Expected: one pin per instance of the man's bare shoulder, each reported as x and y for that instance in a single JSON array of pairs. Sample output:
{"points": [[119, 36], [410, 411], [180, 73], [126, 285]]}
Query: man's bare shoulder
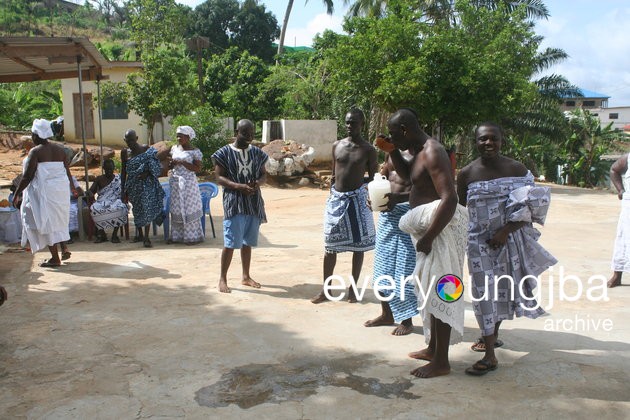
{"points": [[513, 167]]}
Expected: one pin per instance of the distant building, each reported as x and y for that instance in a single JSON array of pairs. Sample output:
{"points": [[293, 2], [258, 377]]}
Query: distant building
{"points": [[116, 119], [589, 100]]}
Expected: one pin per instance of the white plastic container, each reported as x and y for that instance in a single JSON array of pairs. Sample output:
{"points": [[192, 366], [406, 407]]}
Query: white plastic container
{"points": [[377, 190]]}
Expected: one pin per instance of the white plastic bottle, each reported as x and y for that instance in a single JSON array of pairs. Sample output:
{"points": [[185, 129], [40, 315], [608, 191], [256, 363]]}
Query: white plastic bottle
{"points": [[377, 190]]}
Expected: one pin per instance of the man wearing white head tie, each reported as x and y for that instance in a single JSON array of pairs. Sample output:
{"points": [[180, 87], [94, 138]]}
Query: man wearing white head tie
{"points": [[46, 184], [186, 210]]}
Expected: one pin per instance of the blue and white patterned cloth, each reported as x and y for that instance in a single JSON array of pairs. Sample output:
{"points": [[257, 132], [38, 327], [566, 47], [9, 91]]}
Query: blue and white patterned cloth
{"points": [[348, 222], [186, 210], [146, 195], [491, 205], [109, 211], [395, 256]]}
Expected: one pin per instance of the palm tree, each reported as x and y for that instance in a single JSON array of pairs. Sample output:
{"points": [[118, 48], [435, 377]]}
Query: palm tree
{"points": [[330, 8]]}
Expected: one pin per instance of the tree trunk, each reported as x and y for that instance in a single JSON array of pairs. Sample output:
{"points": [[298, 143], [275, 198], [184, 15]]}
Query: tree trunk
{"points": [[283, 32]]}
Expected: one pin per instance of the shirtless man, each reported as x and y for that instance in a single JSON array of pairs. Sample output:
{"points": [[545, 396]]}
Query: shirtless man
{"points": [[439, 227], [348, 222], [391, 240], [45, 207]]}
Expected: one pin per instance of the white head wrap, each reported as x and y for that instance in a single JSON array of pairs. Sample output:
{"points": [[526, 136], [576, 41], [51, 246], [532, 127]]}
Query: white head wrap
{"points": [[41, 127], [187, 130]]}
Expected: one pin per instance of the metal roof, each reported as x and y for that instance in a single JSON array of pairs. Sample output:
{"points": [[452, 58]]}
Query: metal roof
{"points": [[28, 59], [591, 94]]}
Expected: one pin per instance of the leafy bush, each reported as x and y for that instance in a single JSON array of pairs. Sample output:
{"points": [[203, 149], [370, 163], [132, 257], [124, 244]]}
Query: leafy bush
{"points": [[210, 131]]}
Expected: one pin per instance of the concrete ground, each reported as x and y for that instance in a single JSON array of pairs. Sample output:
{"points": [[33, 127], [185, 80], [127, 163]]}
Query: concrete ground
{"points": [[124, 332]]}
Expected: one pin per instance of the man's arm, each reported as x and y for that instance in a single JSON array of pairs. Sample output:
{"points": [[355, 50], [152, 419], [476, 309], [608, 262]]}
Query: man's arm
{"points": [[462, 186], [402, 166], [438, 165], [372, 163], [619, 168], [27, 175]]}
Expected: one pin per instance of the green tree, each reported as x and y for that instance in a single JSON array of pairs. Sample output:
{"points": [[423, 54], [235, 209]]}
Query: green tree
{"points": [[212, 19], [156, 22], [254, 29], [166, 86], [583, 149], [21, 103], [226, 23], [233, 81]]}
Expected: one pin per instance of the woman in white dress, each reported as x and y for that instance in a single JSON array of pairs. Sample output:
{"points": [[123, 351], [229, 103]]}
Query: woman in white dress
{"points": [[185, 207]]}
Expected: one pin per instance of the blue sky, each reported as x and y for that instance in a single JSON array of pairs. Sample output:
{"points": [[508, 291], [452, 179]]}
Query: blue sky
{"points": [[595, 34]]}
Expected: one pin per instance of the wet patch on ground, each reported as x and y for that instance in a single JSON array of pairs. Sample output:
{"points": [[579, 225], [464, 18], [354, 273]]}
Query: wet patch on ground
{"points": [[296, 380]]}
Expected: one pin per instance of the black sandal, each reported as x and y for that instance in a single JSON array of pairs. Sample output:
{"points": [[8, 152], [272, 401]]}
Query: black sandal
{"points": [[485, 366]]}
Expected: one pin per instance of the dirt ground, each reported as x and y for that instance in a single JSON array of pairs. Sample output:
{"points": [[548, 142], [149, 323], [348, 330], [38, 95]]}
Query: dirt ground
{"points": [[125, 332]]}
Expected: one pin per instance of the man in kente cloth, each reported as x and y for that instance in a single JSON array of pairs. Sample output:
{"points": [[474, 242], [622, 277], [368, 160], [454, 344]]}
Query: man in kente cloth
{"points": [[348, 222], [401, 303], [504, 256], [140, 171]]}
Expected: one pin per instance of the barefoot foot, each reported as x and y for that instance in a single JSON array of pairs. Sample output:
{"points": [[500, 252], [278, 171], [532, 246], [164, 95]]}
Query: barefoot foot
{"points": [[351, 296], [251, 283], [431, 370], [614, 282], [424, 354], [403, 329], [319, 298], [223, 287], [377, 322]]}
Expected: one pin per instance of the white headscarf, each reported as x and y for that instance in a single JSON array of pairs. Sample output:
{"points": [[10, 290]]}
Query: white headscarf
{"points": [[186, 130], [42, 128]]}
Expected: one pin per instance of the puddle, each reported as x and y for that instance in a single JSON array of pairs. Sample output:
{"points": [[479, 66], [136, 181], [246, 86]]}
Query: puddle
{"points": [[251, 385]]}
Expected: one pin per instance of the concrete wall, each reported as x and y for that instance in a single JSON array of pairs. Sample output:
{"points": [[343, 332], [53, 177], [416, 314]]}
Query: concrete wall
{"points": [[319, 134], [623, 116]]}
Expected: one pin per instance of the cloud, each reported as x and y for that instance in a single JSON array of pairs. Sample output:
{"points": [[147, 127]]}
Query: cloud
{"points": [[303, 36], [599, 51]]}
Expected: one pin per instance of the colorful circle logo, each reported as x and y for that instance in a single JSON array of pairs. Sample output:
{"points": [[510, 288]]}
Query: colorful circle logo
{"points": [[449, 288]]}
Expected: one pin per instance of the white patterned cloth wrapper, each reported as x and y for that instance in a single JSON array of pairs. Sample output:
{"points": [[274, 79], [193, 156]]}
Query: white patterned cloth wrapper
{"points": [[446, 257], [491, 205], [109, 211], [186, 210], [348, 222]]}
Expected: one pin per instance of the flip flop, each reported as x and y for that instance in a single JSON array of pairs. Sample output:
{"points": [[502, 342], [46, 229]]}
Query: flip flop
{"points": [[480, 346], [486, 367], [66, 255], [115, 240], [48, 264]]}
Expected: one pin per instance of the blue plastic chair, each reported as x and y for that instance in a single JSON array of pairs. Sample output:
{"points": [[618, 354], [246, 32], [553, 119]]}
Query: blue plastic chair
{"points": [[165, 211], [208, 191]]}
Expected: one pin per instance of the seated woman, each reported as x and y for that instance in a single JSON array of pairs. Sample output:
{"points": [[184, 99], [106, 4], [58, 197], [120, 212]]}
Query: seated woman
{"points": [[108, 211]]}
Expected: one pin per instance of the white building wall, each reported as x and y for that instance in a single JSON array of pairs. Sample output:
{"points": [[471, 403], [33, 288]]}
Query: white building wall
{"points": [[623, 116], [113, 130]]}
